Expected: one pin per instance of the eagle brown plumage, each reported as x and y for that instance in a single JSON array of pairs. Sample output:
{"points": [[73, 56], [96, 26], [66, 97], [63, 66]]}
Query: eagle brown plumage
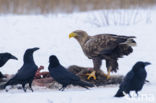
{"points": [[109, 47]]}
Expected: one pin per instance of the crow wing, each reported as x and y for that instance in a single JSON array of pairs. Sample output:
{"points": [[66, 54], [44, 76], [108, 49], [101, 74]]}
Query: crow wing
{"points": [[25, 72], [60, 73], [127, 81]]}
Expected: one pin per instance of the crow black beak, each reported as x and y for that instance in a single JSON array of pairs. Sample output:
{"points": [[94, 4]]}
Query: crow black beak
{"points": [[147, 63], [13, 57], [34, 49]]}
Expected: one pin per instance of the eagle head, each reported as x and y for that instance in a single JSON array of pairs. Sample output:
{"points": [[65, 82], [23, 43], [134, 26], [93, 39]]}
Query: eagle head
{"points": [[79, 35]]}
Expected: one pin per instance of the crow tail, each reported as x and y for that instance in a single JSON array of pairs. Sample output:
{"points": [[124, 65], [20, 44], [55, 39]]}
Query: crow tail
{"points": [[84, 84], [119, 93], [10, 82], [3, 86]]}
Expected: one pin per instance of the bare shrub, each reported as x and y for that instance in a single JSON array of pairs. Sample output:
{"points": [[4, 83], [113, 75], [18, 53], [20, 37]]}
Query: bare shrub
{"points": [[119, 17]]}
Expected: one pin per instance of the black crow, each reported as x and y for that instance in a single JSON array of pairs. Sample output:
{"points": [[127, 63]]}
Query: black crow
{"points": [[63, 76], [134, 80], [4, 57], [27, 72]]}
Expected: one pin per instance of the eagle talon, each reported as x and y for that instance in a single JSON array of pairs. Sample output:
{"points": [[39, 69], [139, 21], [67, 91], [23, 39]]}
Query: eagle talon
{"points": [[92, 74], [108, 74], [108, 77]]}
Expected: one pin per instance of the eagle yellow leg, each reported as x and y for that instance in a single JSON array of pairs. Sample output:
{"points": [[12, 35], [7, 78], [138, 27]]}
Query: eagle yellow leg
{"points": [[108, 74], [92, 74]]}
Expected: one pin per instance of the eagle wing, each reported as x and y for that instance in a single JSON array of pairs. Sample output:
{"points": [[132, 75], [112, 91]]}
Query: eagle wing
{"points": [[102, 44]]}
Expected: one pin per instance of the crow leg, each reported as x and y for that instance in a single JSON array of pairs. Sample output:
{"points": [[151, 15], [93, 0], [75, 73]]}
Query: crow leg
{"points": [[137, 93], [124, 93], [23, 86], [62, 88], [129, 95], [30, 86]]}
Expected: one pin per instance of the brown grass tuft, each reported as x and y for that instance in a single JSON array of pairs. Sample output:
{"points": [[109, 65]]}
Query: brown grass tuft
{"points": [[53, 6]]}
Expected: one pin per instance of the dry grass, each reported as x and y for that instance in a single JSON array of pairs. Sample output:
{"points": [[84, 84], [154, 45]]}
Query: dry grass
{"points": [[52, 6]]}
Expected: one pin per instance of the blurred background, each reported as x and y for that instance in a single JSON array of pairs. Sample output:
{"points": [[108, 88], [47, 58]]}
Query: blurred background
{"points": [[44, 23], [69, 6]]}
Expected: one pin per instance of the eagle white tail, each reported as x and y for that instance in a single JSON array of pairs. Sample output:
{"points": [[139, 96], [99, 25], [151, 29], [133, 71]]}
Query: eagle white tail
{"points": [[129, 42]]}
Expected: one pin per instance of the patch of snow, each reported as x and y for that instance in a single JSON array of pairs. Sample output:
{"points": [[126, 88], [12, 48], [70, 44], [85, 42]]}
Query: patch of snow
{"points": [[50, 33]]}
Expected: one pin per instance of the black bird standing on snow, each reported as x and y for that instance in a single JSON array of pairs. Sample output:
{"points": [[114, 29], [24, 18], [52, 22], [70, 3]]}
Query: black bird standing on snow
{"points": [[63, 76], [4, 57], [134, 80], [27, 72]]}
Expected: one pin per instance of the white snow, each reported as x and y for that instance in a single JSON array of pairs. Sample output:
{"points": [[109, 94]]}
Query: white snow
{"points": [[50, 33]]}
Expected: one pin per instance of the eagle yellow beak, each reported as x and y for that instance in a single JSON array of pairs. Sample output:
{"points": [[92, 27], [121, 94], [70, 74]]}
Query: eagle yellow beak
{"points": [[72, 35]]}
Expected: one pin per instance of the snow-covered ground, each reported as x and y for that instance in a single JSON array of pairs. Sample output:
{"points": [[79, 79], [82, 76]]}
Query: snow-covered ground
{"points": [[50, 33]]}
